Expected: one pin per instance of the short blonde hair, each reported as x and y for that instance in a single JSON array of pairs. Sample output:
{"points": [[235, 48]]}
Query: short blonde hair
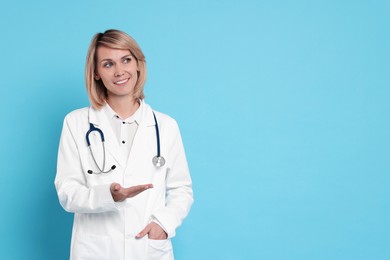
{"points": [[114, 39]]}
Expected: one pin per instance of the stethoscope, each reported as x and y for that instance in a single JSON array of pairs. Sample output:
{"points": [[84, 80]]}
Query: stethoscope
{"points": [[157, 160]]}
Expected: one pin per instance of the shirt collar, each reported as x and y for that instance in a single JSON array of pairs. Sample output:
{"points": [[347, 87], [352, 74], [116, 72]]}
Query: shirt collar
{"points": [[136, 117]]}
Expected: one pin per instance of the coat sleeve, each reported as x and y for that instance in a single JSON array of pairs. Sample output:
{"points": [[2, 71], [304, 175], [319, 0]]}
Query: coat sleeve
{"points": [[70, 182], [179, 194]]}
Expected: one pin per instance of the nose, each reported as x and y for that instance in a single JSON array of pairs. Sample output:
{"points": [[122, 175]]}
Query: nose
{"points": [[118, 71]]}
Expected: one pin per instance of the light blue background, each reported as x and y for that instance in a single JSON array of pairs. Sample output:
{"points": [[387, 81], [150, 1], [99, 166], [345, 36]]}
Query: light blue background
{"points": [[284, 110]]}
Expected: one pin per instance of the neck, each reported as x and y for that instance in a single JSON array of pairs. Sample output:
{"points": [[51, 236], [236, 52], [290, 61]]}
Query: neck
{"points": [[123, 107]]}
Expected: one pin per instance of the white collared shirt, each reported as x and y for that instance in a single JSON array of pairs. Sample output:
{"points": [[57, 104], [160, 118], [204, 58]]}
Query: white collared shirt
{"points": [[124, 129]]}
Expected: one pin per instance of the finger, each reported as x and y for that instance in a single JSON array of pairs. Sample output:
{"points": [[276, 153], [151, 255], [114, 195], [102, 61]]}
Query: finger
{"points": [[143, 232], [115, 192], [156, 232], [135, 190], [145, 186], [117, 187]]}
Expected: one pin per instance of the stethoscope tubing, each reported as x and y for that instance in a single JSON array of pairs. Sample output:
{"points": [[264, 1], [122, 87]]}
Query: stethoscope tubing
{"points": [[157, 160], [157, 136], [91, 129]]}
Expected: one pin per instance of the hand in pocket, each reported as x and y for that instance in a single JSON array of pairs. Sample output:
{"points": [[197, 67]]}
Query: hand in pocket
{"points": [[154, 232]]}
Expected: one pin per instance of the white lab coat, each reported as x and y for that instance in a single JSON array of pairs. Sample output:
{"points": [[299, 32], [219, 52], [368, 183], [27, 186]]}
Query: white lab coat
{"points": [[102, 228]]}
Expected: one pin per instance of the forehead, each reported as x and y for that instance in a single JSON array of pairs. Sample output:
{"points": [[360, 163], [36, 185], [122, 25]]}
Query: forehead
{"points": [[105, 53]]}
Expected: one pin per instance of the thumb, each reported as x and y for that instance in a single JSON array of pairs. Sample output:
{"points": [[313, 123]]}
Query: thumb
{"points": [[116, 187], [143, 232]]}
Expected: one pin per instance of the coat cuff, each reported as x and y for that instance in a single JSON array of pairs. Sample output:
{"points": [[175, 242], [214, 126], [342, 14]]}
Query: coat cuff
{"points": [[103, 194], [163, 220]]}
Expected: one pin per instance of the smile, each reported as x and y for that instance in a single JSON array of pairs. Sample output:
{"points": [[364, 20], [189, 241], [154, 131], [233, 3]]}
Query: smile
{"points": [[121, 82]]}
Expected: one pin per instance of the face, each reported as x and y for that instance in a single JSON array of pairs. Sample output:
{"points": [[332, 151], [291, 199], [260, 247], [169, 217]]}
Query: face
{"points": [[117, 69]]}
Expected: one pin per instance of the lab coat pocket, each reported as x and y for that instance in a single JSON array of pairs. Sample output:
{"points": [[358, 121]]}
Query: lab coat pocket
{"points": [[91, 247], [160, 249]]}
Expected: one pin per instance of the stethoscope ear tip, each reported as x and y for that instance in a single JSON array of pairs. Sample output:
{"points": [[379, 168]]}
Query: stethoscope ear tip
{"points": [[112, 168]]}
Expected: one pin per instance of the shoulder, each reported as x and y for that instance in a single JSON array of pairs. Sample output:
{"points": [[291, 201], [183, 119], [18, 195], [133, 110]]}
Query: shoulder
{"points": [[162, 119], [76, 116]]}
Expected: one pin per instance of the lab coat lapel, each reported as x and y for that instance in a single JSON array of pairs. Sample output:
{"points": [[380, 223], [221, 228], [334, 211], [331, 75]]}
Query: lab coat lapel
{"points": [[144, 139], [141, 167], [100, 120]]}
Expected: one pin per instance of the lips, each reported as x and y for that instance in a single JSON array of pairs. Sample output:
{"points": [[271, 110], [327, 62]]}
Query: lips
{"points": [[121, 82]]}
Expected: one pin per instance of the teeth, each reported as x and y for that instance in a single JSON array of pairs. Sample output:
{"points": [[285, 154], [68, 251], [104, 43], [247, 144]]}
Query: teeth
{"points": [[122, 81]]}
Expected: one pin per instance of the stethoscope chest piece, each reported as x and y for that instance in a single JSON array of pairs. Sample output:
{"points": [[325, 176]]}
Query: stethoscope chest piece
{"points": [[158, 161]]}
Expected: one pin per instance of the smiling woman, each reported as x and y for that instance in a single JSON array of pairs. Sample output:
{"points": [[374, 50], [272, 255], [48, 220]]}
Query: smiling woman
{"points": [[118, 71], [116, 43], [131, 210]]}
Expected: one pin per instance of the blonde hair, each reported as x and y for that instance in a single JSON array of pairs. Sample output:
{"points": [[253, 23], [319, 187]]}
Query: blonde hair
{"points": [[114, 39]]}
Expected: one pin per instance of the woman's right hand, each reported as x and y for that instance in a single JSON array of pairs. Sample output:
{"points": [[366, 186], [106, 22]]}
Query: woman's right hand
{"points": [[119, 193]]}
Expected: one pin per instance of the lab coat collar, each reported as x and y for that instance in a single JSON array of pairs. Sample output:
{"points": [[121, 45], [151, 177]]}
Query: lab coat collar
{"points": [[147, 118], [136, 117], [97, 116]]}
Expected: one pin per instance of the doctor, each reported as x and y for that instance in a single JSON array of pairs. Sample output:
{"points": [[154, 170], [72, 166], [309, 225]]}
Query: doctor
{"points": [[121, 166]]}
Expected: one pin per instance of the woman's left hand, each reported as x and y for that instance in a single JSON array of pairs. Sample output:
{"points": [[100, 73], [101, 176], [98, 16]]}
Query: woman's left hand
{"points": [[154, 231]]}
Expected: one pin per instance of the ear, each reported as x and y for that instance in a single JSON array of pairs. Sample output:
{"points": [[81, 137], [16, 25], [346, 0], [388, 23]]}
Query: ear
{"points": [[97, 77]]}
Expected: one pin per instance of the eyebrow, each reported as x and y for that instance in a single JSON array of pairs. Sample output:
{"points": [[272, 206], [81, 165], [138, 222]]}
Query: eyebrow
{"points": [[108, 59]]}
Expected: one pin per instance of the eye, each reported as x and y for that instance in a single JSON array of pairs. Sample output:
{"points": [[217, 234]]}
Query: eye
{"points": [[107, 64], [127, 60]]}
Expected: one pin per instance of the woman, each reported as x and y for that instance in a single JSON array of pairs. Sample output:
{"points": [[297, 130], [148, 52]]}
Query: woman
{"points": [[126, 205]]}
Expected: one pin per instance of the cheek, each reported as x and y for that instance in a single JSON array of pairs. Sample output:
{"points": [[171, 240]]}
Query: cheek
{"points": [[134, 73], [103, 77]]}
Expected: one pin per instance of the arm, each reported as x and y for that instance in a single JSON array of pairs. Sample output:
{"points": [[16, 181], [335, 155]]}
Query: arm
{"points": [[70, 181], [71, 184]]}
